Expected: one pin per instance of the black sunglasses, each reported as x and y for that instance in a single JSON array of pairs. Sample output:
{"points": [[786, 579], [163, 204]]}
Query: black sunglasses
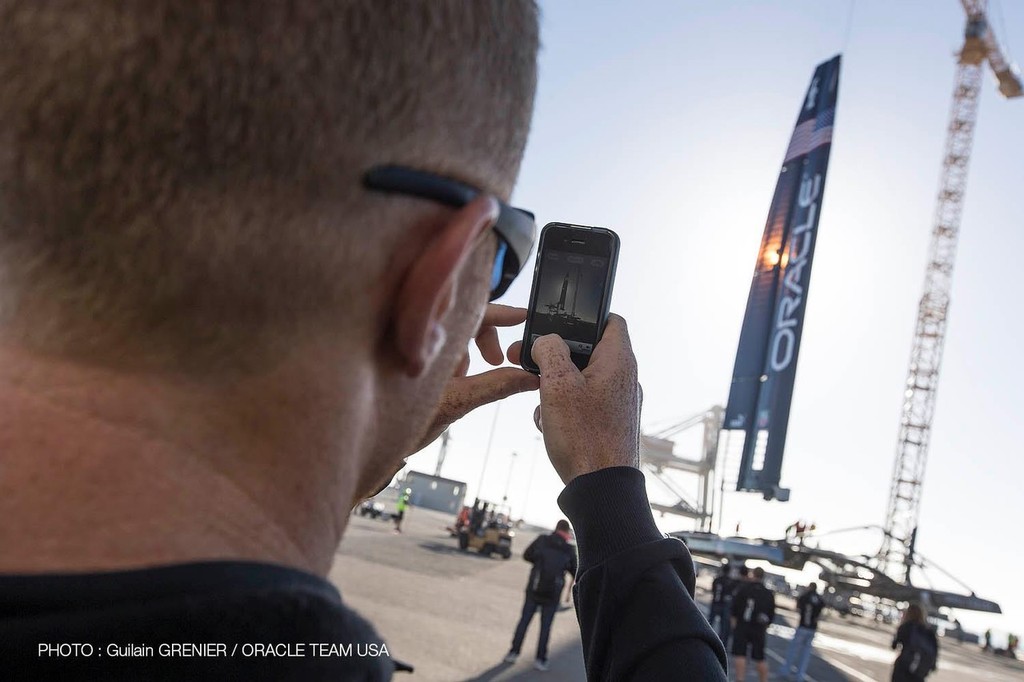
{"points": [[516, 228]]}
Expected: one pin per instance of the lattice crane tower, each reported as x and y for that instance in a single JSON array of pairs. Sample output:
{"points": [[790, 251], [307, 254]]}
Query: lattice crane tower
{"points": [[980, 46]]}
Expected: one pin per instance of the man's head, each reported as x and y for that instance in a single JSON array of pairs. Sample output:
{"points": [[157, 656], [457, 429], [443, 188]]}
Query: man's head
{"points": [[180, 185], [562, 526], [758, 576], [813, 587], [914, 614], [744, 572]]}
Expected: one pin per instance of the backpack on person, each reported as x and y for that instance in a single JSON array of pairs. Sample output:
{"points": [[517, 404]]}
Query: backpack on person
{"points": [[919, 651], [547, 577]]}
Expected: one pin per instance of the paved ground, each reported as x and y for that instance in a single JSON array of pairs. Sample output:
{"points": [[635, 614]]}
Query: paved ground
{"points": [[451, 615]]}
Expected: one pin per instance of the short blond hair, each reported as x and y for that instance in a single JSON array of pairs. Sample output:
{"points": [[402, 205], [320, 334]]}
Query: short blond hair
{"points": [[167, 168]]}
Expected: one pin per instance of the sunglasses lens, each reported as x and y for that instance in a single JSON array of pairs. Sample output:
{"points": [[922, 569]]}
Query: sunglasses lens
{"points": [[499, 265]]}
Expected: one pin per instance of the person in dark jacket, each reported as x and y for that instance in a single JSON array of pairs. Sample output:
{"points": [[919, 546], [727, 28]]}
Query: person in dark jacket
{"points": [[753, 610], [798, 655], [244, 249], [721, 603], [918, 645], [553, 559], [742, 578]]}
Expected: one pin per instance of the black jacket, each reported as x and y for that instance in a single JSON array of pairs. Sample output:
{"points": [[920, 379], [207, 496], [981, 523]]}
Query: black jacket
{"points": [[223, 608], [634, 589], [634, 601], [721, 590], [809, 607], [550, 554], [753, 605], [902, 640]]}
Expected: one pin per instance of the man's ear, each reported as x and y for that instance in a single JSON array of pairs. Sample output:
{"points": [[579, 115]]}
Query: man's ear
{"points": [[428, 291]]}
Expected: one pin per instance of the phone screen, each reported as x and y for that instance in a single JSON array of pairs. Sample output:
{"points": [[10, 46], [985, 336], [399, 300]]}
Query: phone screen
{"points": [[571, 289]]}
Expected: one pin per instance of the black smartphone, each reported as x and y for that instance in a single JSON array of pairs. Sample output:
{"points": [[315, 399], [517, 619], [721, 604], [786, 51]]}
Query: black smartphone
{"points": [[572, 289]]}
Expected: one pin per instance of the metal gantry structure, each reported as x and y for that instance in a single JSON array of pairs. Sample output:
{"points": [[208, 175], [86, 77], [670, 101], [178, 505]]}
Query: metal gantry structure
{"points": [[658, 458], [897, 553]]}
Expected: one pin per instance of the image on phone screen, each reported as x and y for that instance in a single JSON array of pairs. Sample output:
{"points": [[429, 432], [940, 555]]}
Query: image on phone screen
{"points": [[569, 298], [571, 289]]}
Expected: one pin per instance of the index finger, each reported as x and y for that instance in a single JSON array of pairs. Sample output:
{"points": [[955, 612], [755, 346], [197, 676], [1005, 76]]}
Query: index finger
{"points": [[497, 315], [614, 348]]}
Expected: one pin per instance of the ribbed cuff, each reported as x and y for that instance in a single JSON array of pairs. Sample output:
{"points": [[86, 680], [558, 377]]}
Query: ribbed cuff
{"points": [[609, 512]]}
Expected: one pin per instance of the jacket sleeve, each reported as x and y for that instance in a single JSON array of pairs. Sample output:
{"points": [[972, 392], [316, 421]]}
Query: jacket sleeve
{"points": [[531, 550], [634, 588], [737, 602], [900, 636]]}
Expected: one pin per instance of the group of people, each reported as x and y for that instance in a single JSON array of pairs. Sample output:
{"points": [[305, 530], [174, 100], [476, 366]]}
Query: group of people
{"points": [[742, 608], [1012, 642]]}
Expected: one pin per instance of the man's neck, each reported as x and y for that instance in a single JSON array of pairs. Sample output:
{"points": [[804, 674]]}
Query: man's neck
{"points": [[103, 470]]}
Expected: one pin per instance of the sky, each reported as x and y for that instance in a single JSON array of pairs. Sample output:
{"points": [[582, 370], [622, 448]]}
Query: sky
{"points": [[667, 121]]}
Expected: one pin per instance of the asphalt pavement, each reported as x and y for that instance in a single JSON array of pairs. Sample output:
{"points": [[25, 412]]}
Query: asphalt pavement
{"points": [[451, 615]]}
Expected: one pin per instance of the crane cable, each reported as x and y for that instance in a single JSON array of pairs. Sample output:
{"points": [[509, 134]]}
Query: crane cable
{"points": [[1006, 35], [849, 25]]}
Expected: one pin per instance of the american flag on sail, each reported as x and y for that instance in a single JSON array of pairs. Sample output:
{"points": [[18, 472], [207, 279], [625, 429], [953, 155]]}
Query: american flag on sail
{"points": [[811, 134]]}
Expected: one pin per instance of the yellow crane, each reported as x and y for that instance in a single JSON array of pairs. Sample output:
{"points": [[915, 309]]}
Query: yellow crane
{"points": [[980, 47]]}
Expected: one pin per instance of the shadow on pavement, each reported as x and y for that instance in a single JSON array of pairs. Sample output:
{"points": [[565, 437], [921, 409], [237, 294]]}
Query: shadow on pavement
{"points": [[442, 548], [491, 673], [565, 665]]}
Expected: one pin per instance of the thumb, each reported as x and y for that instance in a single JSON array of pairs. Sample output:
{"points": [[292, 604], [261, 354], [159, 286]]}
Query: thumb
{"points": [[552, 357]]}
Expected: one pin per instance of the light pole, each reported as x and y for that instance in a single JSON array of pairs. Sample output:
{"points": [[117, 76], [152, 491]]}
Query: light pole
{"points": [[487, 452], [508, 481], [533, 467], [445, 436]]}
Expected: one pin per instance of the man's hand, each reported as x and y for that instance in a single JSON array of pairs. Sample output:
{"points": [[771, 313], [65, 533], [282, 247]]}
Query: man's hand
{"points": [[590, 419], [466, 393]]}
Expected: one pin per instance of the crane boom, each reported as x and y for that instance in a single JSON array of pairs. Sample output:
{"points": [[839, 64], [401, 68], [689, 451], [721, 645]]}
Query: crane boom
{"points": [[929, 335], [897, 554], [980, 45]]}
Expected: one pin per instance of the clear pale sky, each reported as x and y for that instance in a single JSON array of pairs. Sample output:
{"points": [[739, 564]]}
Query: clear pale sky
{"points": [[667, 121]]}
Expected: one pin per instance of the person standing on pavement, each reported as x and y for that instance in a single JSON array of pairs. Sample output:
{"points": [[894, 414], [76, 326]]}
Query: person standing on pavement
{"points": [[553, 558], [721, 602], [798, 655], [400, 507], [753, 610], [919, 647]]}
